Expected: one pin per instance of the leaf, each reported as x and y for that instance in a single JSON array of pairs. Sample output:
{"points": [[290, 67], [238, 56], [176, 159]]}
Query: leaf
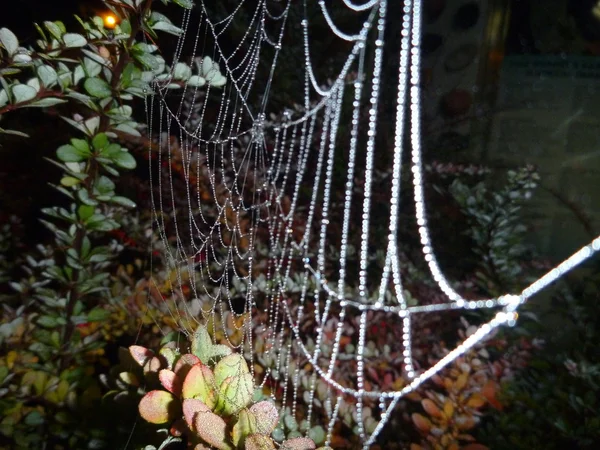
{"points": [[47, 102], [128, 129], [54, 29], [46, 321], [299, 443], [9, 41], [98, 315], [170, 381], [191, 407], [182, 71], [140, 354], [196, 81], [187, 4], [212, 429], [68, 153], [23, 93], [147, 60], [233, 365], [431, 408], [124, 160], [266, 416], [48, 75], [199, 383], [97, 87], [13, 132], [91, 125], [3, 97], [74, 40], [100, 141], [422, 423], [167, 28], [159, 407], [235, 393], [69, 181]]}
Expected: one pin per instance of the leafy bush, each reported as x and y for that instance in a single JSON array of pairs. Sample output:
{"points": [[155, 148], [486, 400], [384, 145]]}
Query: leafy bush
{"points": [[51, 349]]}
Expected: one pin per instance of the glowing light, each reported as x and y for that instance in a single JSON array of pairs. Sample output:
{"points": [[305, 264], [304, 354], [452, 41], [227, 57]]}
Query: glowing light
{"points": [[110, 21]]}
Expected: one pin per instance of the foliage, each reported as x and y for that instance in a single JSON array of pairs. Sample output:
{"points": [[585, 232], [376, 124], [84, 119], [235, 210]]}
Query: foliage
{"points": [[554, 402], [204, 397], [51, 348]]}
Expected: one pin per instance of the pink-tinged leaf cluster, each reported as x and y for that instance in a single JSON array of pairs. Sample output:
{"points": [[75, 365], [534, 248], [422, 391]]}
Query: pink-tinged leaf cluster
{"points": [[210, 406]]}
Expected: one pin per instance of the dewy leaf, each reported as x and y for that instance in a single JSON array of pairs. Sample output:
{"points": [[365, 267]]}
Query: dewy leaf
{"points": [[235, 393], [212, 429], [299, 443], [159, 407], [74, 40], [182, 71], [9, 41], [97, 87], [23, 93], [196, 81], [199, 383]]}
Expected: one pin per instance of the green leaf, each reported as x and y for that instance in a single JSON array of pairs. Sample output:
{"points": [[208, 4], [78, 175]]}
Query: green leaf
{"points": [[167, 28], [98, 315], [91, 125], [48, 75], [3, 97], [124, 160], [34, 419], [53, 29], [69, 181], [147, 60], [104, 185], [100, 141], [9, 41], [196, 81], [68, 153], [74, 40], [97, 87], [13, 132], [84, 196], [48, 101], [23, 93], [125, 26], [123, 201], [182, 71], [46, 321], [127, 129], [81, 145], [187, 4], [85, 212]]}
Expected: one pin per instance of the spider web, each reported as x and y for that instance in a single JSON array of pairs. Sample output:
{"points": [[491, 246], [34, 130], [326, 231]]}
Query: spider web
{"points": [[271, 228]]}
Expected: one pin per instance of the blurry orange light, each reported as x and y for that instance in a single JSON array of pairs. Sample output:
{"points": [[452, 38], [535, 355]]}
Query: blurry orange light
{"points": [[110, 21]]}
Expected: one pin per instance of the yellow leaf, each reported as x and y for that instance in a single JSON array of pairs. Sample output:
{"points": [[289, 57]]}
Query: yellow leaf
{"points": [[11, 357], [448, 408], [461, 381], [476, 401]]}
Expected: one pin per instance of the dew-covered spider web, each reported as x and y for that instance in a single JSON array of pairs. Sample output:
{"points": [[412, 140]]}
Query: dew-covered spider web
{"points": [[275, 223]]}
